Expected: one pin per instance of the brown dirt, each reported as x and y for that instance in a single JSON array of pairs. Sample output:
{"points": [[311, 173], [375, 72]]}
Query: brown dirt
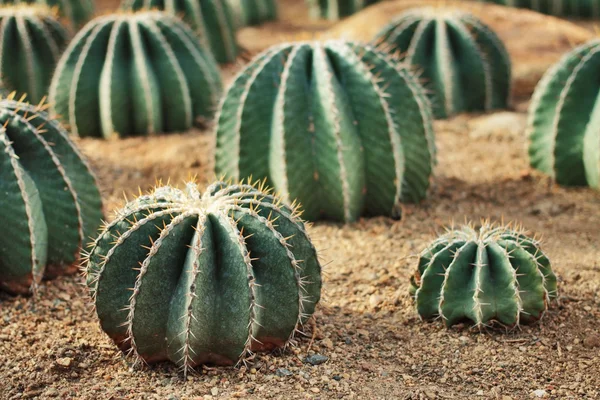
{"points": [[52, 347]]}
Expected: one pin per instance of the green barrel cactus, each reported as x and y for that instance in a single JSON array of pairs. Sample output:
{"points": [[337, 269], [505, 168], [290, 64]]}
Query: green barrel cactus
{"points": [[203, 278], [338, 126], [486, 275], [76, 11], [564, 141], [587, 9], [31, 42], [464, 63], [253, 12], [50, 201], [211, 19], [333, 10], [134, 74]]}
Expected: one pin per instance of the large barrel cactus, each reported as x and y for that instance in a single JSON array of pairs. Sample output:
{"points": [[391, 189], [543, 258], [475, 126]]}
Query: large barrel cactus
{"points": [[338, 126], [253, 12], [464, 63], [211, 19], [31, 42], [336, 9], [564, 117], [565, 8], [134, 74], [76, 11], [203, 278], [50, 201], [485, 275]]}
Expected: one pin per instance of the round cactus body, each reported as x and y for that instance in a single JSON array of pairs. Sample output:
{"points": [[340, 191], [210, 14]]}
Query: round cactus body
{"points": [[31, 42], [564, 8], [50, 202], [333, 10], [493, 274], [203, 278], [464, 63], [340, 127], [134, 74], [253, 12], [563, 119], [211, 19], [76, 11]]}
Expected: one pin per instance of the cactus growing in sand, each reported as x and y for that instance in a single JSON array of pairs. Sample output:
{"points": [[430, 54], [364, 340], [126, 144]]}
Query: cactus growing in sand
{"points": [[253, 12], [338, 126], [50, 201], [333, 10], [485, 275], [134, 74], [76, 11], [203, 278], [31, 42], [211, 19], [563, 8], [464, 63], [564, 141]]}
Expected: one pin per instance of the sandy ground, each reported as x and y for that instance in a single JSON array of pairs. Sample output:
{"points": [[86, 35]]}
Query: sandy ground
{"points": [[52, 347]]}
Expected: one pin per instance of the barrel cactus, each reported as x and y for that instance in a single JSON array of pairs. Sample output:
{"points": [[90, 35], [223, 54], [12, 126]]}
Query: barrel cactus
{"points": [[336, 9], [465, 64], [134, 74], [253, 12], [564, 8], [31, 41], [203, 278], [78, 12], [211, 19], [50, 201], [338, 126], [563, 117], [487, 275]]}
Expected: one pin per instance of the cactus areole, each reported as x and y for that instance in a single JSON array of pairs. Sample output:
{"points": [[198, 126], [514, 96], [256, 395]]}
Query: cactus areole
{"points": [[206, 278], [486, 275], [340, 127]]}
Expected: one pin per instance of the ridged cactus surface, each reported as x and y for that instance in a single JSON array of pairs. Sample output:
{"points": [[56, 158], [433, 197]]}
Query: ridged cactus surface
{"points": [[50, 201], [135, 74], [203, 278], [253, 12], [76, 11], [333, 10], [563, 119], [338, 126], [31, 42], [485, 275], [212, 20], [566, 8], [464, 63]]}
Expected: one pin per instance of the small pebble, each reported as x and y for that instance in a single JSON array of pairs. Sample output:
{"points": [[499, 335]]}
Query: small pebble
{"points": [[316, 359], [281, 372], [64, 362]]}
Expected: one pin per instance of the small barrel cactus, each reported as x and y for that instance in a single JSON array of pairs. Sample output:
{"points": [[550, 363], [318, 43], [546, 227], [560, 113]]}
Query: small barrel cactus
{"points": [[31, 42], [211, 19], [465, 64], [50, 201], [134, 74], [253, 12], [563, 119], [333, 10], [338, 126], [493, 274], [564, 8], [205, 278], [76, 11]]}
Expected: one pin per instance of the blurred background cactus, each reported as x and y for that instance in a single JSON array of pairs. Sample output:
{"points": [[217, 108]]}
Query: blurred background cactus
{"points": [[563, 119], [463, 62], [50, 201], [253, 12], [588, 9], [336, 9], [206, 278], [338, 126], [77, 12], [31, 42], [211, 19], [135, 74]]}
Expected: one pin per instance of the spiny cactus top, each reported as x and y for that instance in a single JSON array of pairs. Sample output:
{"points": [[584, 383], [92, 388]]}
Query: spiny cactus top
{"points": [[134, 74], [490, 274], [464, 63], [211, 19], [31, 42], [76, 11], [566, 8], [336, 9], [338, 126], [203, 278], [564, 117], [253, 12], [50, 202]]}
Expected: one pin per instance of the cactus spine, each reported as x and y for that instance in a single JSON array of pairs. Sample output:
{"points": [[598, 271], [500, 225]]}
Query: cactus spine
{"points": [[338, 126], [50, 199], [563, 116], [465, 64], [334, 10], [203, 278], [485, 275], [565, 8], [211, 19], [76, 11], [134, 74], [253, 12], [31, 41]]}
